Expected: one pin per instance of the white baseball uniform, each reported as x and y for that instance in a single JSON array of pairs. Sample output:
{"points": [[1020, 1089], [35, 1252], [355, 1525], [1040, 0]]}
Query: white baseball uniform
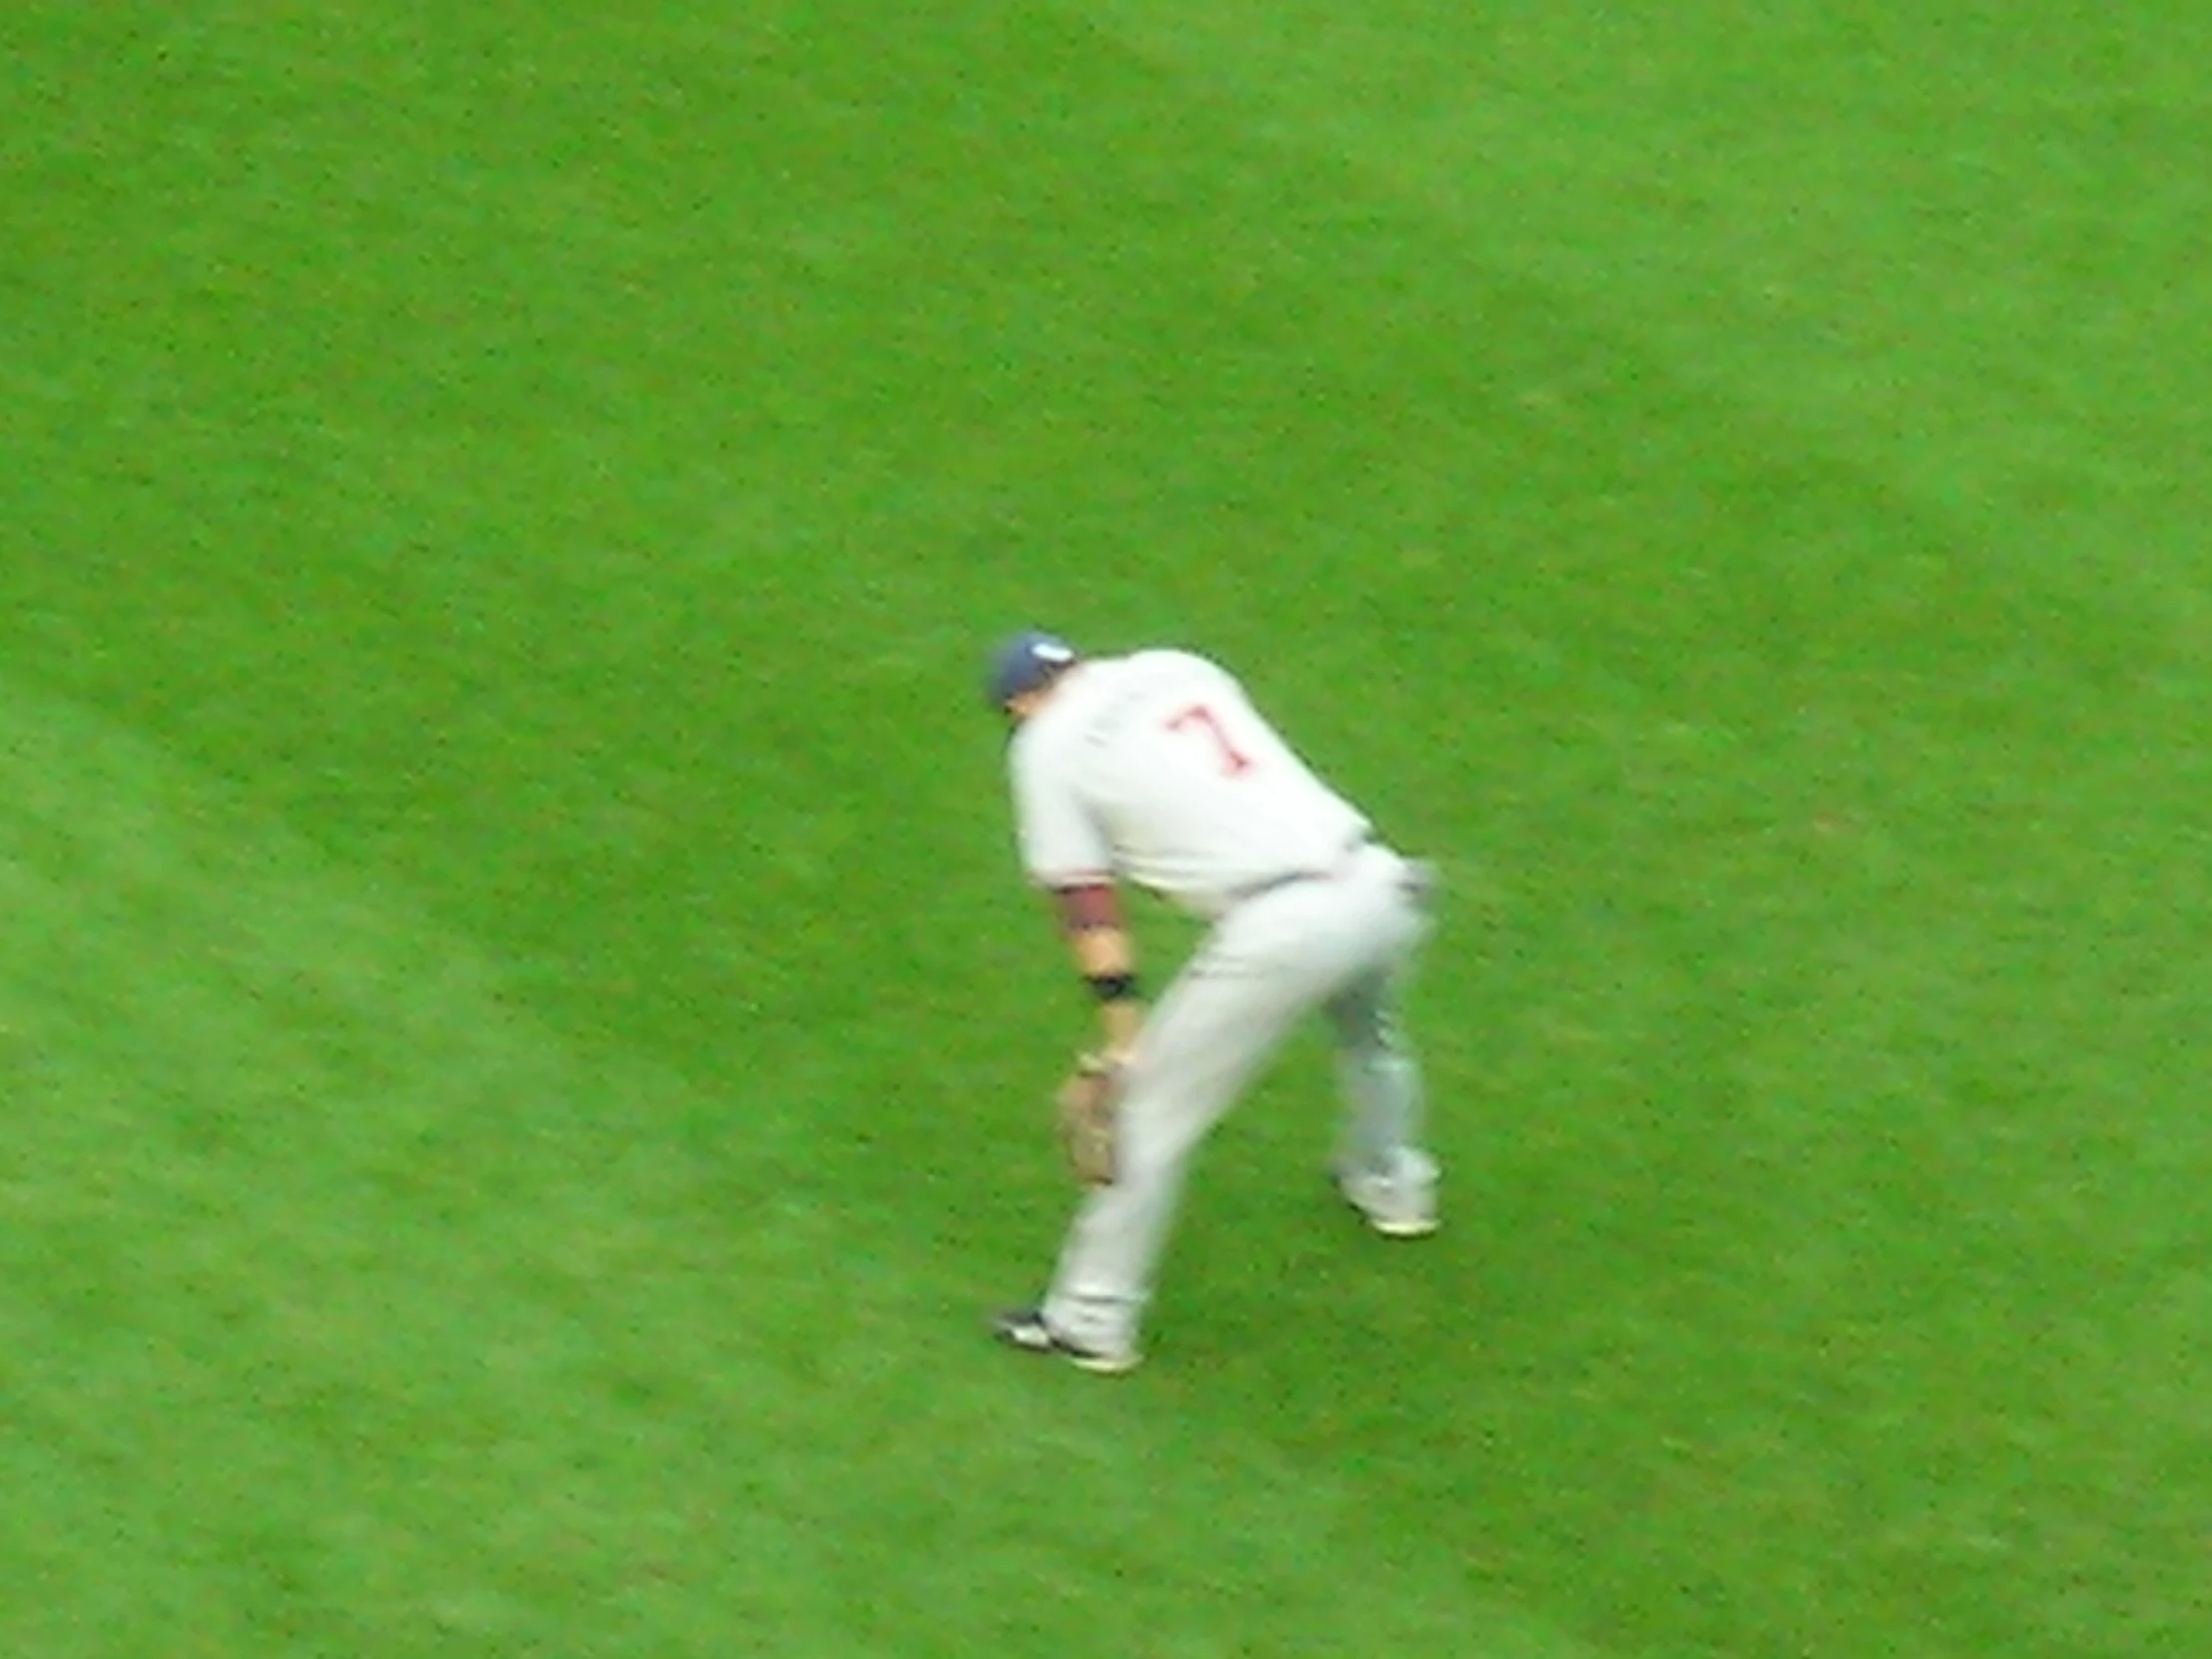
{"points": [[1155, 768]]}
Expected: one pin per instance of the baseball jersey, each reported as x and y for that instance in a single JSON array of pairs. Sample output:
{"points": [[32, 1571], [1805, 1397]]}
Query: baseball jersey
{"points": [[1155, 768]]}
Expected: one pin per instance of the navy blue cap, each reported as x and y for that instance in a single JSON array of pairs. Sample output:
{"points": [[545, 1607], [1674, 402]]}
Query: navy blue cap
{"points": [[1030, 659]]}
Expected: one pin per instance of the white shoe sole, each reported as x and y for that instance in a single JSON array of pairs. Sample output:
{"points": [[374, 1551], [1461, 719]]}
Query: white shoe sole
{"points": [[1417, 1225], [1402, 1227]]}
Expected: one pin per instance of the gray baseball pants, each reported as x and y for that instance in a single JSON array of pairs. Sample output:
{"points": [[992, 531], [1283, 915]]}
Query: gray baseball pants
{"points": [[1335, 943]]}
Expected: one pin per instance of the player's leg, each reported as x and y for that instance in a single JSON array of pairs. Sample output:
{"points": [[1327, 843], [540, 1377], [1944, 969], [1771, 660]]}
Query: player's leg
{"points": [[1199, 1049], [1382, 1165]]}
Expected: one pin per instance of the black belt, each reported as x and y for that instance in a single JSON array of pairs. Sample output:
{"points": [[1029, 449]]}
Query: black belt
{"points": [[1350, 849]]}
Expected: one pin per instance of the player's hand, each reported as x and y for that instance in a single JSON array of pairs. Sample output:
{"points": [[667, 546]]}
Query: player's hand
{"points": [[1089, 1105]]}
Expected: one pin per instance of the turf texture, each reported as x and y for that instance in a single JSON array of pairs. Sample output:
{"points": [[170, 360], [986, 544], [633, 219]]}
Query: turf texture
{"points": [[521, 1049]]}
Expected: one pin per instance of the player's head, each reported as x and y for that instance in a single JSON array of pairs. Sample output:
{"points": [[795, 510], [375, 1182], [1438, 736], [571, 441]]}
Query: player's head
{"points": [[1024, 666]]}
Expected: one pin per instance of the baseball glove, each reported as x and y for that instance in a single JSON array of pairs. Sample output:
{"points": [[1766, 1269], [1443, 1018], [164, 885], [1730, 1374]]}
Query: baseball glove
{"points": [[1088, 1103]]}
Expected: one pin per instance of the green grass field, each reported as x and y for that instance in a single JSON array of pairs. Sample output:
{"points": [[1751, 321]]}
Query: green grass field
{"points": [[522, 1048]]}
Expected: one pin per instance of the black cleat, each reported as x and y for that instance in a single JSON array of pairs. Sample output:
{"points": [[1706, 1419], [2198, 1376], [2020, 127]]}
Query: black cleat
{"points": [[1025, 1328]]}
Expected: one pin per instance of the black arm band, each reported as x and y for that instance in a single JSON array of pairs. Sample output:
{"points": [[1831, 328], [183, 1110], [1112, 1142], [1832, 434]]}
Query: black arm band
{"points": [[1112, 987]]}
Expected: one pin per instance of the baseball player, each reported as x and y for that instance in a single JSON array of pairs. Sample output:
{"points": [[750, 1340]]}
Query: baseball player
{"points": [[1154, 769]]}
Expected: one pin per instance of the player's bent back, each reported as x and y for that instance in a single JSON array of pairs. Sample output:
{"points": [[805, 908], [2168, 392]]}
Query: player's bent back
{"points": [[1157, 766]]}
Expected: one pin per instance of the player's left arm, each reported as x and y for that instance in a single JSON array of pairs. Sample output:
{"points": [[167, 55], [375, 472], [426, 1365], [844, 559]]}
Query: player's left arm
{"points": [[1067, 851], [1106, 956]]}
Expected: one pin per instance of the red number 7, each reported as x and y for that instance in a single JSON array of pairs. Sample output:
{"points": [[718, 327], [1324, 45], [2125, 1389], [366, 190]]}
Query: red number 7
{"points": [[1232, 760]]}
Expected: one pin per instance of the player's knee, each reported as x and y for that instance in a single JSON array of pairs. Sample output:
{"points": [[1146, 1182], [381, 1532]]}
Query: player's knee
{"points": [[1162, 1148]]}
